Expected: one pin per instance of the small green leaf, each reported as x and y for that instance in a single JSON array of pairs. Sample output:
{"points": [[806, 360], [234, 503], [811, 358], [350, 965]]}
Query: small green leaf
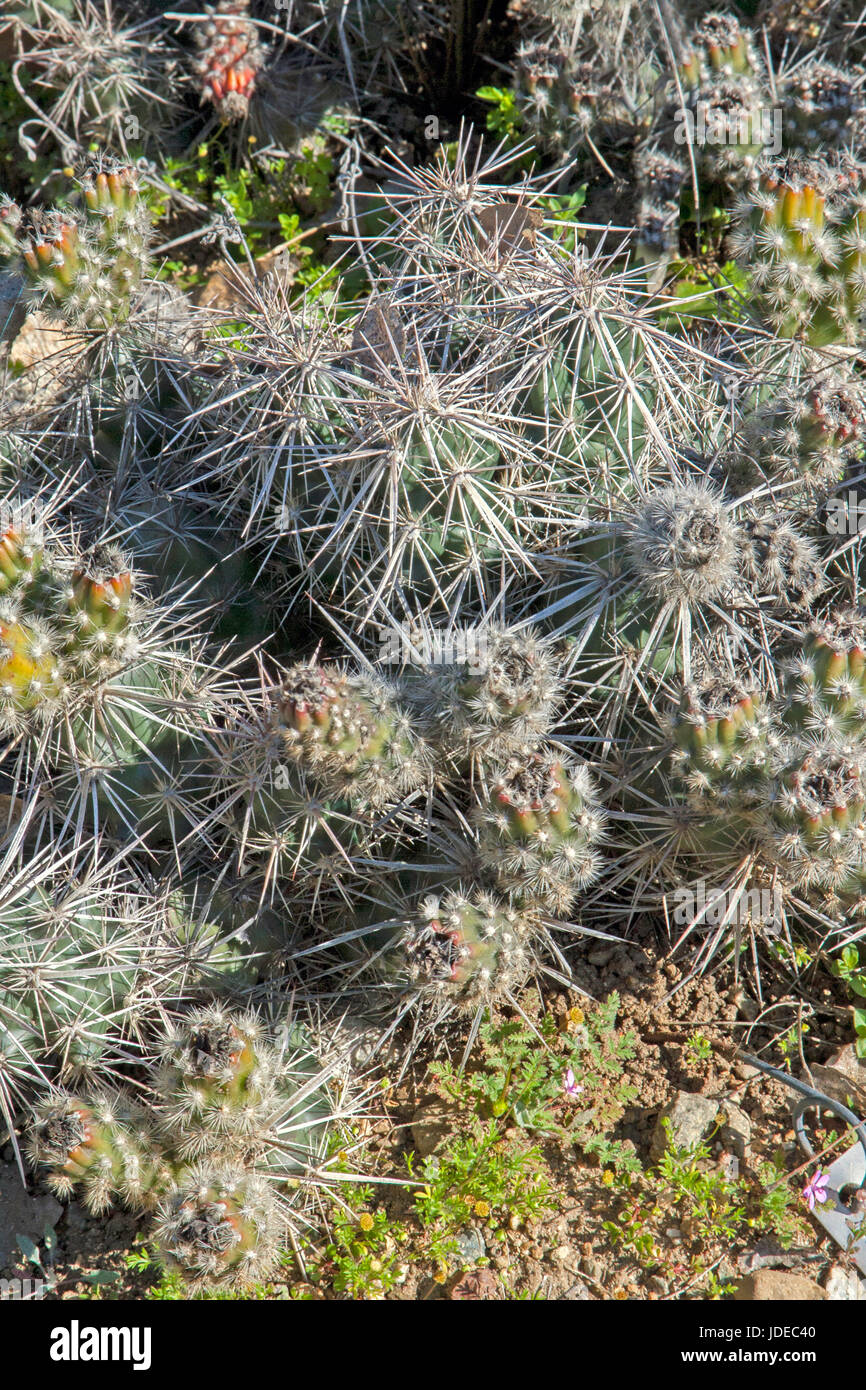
{"points": [[29, 1250]]}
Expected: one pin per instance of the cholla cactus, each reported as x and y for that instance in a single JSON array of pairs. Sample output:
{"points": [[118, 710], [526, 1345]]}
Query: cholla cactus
{"points": [[465, 951], [229, 58], [540, 831], [86, 264], [98, 1149], [350, 733], [808, 433], [220, 1226], [801, 236], [429, 457], [685, 545]]}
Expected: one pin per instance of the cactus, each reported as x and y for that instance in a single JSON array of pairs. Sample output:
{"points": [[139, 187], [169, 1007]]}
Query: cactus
{"points": [[97, 1149], [98, 693], [775, 782], [239, 1113], [684, 544], [823, 107], [220, 1226], [540, 831], [809, 433], [494, 690], [660, 179], [465, 951], [229, 58], [87, 264], [430, 454], [350, 734], [801, 236], [86, 958], [106, 78]]}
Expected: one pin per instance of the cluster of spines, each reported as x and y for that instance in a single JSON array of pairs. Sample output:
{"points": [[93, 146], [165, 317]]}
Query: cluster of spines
{"points": [[560, 97], [684, 543], [540, 830], [466, 950], [785, 775], [97, 1149], [808, 433], [350, 733], [87, 264], [504, 695]]}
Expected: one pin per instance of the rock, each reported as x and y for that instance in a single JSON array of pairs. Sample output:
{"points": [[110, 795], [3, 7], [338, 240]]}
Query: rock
{"points": [[470, 1245], [747, 1008], [690, 1116], [843, 1078], [774, 1286], [13, 306], [656, 1284], [736, 1132], [563, 1255], [22, 1214], [843, 1285], [475, 1284], [745, 1071], [593, 1269], [431, 1124], [76, 1217], [601, 955]]}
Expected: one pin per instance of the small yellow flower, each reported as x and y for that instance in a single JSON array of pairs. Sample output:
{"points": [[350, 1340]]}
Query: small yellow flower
{"points": [[439, 1277], [482, 1209], [575, 1017], [366, 1222], [607, 1178], [343, 1156]]}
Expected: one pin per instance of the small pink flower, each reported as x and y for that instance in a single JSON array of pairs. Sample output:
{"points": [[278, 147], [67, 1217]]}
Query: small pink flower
{"points": [[571, 1087], [816, 1189]]}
